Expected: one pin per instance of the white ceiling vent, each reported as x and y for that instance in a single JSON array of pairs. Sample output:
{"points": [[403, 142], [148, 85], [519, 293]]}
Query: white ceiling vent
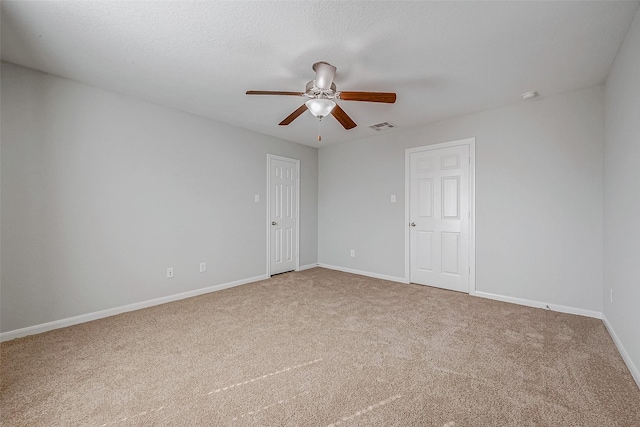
{"points": [[382, 126]]}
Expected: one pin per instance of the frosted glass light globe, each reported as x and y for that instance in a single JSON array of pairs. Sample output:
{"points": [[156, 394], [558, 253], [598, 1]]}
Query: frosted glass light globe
{"points": [[320, 107]]}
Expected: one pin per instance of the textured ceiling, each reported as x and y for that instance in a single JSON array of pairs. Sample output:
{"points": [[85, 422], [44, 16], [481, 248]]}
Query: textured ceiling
{"points": [[443, 59]]}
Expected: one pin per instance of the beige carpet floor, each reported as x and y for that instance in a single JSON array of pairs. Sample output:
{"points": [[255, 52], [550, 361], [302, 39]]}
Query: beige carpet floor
{"points": [[322, 348]]}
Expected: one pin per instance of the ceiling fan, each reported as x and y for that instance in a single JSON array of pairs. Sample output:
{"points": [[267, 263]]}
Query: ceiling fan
{"points": [[322, 93]]}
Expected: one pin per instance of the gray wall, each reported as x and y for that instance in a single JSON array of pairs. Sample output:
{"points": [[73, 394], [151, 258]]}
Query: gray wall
{"points": [[101, 193], [538, 190], [622, 196]]}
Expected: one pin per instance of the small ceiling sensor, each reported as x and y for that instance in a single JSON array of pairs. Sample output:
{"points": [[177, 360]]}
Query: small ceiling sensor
{"points": [[530, 95]]}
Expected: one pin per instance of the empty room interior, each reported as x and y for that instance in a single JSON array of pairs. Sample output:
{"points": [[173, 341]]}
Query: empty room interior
{"points": [[320, 213]]}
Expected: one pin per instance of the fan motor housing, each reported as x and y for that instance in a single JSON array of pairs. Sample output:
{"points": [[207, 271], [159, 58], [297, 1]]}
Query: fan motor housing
{"points": [[313, 91]]}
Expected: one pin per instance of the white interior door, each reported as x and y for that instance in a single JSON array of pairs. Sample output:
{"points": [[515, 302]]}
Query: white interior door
{"points": [[439, 215], [283, 214]]}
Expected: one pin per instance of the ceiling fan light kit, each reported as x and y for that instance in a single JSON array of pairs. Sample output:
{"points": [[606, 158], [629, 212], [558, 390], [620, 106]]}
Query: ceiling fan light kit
{"points": [[320, 107], [322, 92]]}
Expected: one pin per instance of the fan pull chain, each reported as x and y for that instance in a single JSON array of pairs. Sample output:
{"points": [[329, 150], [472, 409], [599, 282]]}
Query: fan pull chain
{"points": [[319, 137]]}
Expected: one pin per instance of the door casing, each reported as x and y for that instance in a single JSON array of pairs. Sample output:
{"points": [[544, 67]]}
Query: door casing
{"points": [[268, 212], [471, 142]]}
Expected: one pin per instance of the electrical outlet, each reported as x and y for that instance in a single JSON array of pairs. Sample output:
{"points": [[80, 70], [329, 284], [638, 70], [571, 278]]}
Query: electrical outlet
{"points": [[353, 253], [169, 272], [256, 198], [393, 198], [203, 267]]}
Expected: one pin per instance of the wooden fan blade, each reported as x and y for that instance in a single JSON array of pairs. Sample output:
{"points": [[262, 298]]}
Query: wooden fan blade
{"points": [[388, 97], [343, 118], [273, 92], [291, 117]]}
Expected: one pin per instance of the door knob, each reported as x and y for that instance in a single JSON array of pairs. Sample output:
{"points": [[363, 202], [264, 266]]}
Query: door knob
{"points": [[413, 224], [274, 223]]}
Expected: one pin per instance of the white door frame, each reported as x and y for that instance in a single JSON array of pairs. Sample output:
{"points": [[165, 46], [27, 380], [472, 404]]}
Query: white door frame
{"points": [[268, 220], [471, 142]]}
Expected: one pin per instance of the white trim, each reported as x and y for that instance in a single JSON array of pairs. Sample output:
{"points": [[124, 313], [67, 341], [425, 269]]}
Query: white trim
{"points": [[364, 273], [306, 267], [471, 142], [635, 373], [70, 321], [472, 220], [268, 222], [511, 300], [540, 304]]}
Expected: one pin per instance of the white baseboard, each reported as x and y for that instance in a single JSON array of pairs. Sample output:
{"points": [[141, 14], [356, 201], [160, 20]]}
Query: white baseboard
{"points": [[539, 304], [635, 373], [364, 273], [70, 321], [513, 300], [63, 323]]}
